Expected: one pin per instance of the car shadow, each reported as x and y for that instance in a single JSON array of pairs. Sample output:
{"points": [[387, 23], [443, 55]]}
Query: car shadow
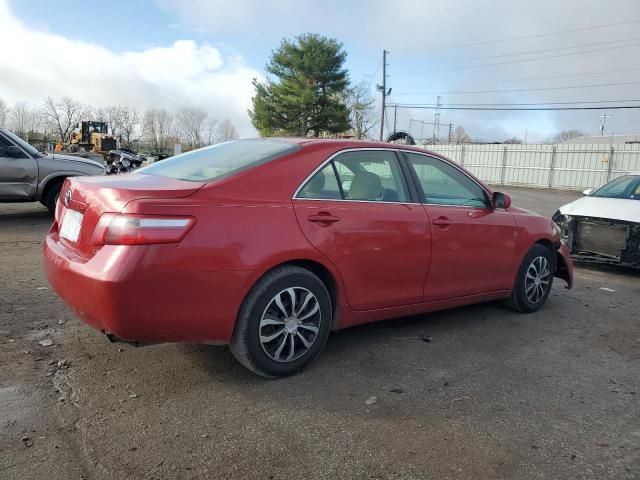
{"points": [[24, 213], [621, 270], [351, 344]]}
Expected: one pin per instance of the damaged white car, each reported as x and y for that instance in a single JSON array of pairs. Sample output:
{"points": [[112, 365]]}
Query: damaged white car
{"points": [[604, 225]]}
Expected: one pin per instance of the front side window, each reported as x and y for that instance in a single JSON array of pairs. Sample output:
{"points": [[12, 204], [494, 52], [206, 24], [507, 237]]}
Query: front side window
{"points": [[25, 146], [3, 147], [221, 160], [444, 184]]}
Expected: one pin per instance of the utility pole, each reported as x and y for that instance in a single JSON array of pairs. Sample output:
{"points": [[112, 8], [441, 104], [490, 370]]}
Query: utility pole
{"points": [[383, 88], [603, 122], [450, 132], [395, 117], [436, 121]]}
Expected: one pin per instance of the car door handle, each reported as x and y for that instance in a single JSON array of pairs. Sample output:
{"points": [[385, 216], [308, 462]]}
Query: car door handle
{"points": [[442, 222], [323, 217]]}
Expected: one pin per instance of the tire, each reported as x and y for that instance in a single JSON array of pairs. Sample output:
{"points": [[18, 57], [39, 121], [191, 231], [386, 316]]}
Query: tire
{"points": [[50, 197], [529, 294], [268, 339]]}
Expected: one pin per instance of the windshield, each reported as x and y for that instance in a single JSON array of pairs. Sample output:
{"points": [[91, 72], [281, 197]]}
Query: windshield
{"points": [[32, 150], [627, 186], [220, 161]]}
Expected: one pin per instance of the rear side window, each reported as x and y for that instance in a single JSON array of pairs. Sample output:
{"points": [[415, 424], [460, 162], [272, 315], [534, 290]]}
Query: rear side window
{"points": [[362, 175], [220, 161], [323, 185]]}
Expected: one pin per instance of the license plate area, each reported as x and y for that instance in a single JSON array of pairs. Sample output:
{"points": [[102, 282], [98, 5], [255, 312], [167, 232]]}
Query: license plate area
{"points": [[71, 224], [602, 239]]}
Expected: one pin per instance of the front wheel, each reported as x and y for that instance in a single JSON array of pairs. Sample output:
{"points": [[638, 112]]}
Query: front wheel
{"points": [[51, 195], [283, 323], [533, 281]]}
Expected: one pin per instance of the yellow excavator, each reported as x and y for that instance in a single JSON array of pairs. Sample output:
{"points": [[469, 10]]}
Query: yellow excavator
{"points": [[90, 136]]}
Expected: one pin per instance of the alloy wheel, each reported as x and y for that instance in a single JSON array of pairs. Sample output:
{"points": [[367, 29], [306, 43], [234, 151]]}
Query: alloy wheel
{"points": [[289, 325], [537, 279]]}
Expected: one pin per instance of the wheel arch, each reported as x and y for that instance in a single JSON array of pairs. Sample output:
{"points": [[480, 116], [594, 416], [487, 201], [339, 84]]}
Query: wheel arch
{"points": [[51, 181], [327, 276], [561, 269]]}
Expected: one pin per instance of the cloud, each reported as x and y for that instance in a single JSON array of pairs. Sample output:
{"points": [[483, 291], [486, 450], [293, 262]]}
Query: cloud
{"points": [[38, 64], [418, 33]]}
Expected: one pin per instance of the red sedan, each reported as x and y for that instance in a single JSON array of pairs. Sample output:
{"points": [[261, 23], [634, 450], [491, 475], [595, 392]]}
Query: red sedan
{"points": [[269, 244]]}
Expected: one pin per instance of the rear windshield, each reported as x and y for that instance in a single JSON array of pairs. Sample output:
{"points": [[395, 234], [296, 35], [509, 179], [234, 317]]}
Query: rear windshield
{"points": [[221, 160]]}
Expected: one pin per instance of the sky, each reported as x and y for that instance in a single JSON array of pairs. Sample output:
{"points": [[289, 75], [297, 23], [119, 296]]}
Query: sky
{"points": [[205, 53]]}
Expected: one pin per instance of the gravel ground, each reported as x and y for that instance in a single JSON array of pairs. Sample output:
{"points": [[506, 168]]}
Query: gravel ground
{"points": [[493, 394]]}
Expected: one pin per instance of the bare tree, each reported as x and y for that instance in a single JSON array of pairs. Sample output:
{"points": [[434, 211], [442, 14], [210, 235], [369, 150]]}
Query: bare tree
{"points": [[460, 135], [4, 112], [64, 115], [361, 110], [189, 122], [227, 131], [211, 130], [109, 115], [157, 127], [567, 135], [20, 119], [128, 124], [513, 141]]}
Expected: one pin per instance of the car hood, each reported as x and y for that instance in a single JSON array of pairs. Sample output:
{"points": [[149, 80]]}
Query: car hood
{"points": [[72, 158], [623, 209]]}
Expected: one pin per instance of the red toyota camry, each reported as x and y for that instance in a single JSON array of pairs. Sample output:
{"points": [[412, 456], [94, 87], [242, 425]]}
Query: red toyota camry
{"points": [[269, 244]]}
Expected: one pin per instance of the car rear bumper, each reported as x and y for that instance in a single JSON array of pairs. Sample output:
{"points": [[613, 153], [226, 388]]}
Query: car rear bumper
{"points": [[131, 293]]}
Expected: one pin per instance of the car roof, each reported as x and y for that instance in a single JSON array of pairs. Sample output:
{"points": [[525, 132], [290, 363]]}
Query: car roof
{"points": [[349, 143]]}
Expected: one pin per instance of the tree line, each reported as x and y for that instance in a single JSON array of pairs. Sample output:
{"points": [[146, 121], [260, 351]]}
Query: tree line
{"points": [[155, 129]]}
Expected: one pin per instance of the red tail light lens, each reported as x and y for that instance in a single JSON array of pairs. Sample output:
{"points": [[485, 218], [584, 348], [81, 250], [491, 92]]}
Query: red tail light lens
{"points": [[126, 229]]}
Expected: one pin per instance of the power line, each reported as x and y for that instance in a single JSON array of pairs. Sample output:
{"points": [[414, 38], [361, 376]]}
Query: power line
{"points": [[530, 104], [374, 74], [523, 37], [609, 107], [551, 77], [531, 52], [567, 87], [464, 67]]}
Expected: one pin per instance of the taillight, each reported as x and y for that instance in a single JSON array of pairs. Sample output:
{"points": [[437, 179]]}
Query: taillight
{"points": [[129, 229]]}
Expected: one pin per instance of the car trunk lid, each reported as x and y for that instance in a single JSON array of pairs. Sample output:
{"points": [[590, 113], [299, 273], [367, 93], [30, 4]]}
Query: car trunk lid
{"points": [[88, 198]]}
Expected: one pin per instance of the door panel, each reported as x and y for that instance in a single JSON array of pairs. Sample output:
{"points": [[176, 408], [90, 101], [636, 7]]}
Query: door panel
{"points": [[18, 176], [473, 244], [380, 249], [473, 251], [356, 211]]}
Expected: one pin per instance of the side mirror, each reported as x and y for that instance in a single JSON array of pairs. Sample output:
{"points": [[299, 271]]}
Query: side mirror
{"points": [[14, 152], [501, 200], [587, 192]]}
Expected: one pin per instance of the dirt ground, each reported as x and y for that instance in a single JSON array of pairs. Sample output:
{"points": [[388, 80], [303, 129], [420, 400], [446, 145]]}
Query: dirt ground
{"points": [[493, 394]]}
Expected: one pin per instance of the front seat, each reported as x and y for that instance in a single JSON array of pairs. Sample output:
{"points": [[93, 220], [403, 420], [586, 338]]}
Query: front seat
{"points": [[366, 186]]}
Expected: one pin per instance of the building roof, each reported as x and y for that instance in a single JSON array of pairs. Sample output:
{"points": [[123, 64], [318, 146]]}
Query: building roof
{"points": [[609, 139]]}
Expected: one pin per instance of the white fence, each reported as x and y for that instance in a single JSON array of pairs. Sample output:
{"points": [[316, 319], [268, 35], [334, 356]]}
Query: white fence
{"points": [[566, 166]]}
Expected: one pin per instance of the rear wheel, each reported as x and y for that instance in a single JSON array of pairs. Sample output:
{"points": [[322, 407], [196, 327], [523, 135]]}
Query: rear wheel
{"points": [[534, 280], [50, 197], [283, 324]]}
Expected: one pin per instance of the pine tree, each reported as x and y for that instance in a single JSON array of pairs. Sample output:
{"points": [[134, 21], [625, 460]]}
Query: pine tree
{"points": [[304, 93]]}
